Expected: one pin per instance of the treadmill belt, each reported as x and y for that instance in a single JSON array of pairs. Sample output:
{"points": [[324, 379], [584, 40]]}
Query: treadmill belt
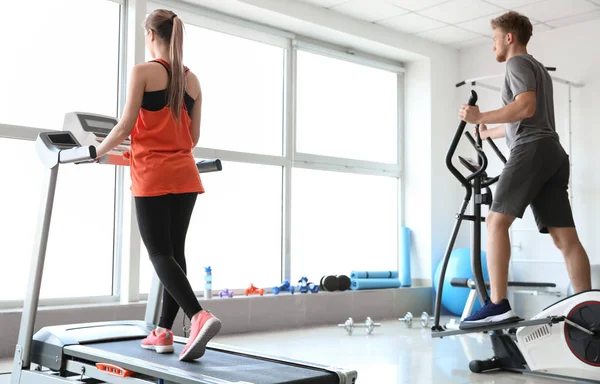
{"points": [[225, 365]]}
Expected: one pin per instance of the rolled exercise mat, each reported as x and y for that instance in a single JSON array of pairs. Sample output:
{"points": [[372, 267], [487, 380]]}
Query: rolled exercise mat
{"points": [[358, 284], [404, 242], [374, 275]]}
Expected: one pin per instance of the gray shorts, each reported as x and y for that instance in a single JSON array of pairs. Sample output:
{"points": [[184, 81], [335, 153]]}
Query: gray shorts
{"points": [[536, 174]]}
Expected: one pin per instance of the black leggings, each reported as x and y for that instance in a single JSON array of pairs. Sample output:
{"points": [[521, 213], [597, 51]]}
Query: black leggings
{"points": [[163, 222]]}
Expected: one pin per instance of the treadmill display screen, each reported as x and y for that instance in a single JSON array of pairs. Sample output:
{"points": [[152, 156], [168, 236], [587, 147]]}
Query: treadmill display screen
{"points": [[99, 124], [61, 139]]}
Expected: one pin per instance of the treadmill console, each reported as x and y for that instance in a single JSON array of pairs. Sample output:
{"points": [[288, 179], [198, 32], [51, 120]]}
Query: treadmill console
{"points": [[92, 129]]}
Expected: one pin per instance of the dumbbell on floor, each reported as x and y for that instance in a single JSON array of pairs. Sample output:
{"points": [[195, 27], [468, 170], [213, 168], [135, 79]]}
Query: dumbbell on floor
{"points": [[368, 324], [408, 318]]}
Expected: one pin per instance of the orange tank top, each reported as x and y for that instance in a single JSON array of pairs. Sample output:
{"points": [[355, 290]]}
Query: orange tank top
{"points": [[161, 159]]}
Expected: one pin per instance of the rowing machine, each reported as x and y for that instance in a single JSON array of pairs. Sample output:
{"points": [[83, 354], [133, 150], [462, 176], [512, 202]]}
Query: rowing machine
{"points": [[562, 341]]}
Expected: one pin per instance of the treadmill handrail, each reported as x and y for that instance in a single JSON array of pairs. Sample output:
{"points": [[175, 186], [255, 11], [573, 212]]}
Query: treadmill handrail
{"points": [[78, 154]]}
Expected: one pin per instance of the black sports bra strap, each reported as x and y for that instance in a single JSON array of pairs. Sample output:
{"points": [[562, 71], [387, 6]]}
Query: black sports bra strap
{"points": [[163, 64]]}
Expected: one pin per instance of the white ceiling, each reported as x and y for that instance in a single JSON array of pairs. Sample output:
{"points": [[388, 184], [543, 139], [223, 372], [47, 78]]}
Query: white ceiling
{"points": [[461, 23]]}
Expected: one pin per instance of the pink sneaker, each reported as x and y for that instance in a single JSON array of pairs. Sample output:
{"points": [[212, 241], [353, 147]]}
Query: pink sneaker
{"points": [[162, 343], [201, 331]]}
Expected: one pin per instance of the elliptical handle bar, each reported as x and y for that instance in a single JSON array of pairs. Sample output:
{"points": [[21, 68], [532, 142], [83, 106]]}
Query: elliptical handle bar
{"points": [[483, 163], [495, 148], [461, 127]]}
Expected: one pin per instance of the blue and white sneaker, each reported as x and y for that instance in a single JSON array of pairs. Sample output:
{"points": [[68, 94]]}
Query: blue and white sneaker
{"points": [[491, 313]]}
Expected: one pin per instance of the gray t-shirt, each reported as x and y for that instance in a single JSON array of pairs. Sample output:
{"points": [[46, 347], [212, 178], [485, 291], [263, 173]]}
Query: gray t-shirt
{"points": [[524, 73]]}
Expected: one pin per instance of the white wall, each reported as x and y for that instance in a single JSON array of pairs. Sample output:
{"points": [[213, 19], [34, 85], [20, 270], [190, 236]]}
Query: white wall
{"points": [[575, 52]]}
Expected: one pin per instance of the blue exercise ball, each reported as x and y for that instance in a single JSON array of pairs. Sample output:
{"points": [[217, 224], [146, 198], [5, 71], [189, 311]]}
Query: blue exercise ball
{"points": [[459, 265]]}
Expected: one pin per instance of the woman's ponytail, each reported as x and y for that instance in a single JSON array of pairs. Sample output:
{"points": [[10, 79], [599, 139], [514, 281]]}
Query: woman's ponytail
{"points": [[177, 84]]}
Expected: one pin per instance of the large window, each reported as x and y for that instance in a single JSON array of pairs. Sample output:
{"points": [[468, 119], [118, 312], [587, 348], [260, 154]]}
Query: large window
{"points": [[346, 117], [235, 229], [342, 222], [58, 64], [61, 56], [80, 244], [242, 85], [346, 110]]}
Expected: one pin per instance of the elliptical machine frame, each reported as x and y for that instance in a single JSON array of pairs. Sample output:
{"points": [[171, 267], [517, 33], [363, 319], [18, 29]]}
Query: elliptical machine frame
{"points": [[513, 350]]}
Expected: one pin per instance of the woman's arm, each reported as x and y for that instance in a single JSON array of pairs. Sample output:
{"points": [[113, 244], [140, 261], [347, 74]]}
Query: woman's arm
{"points": [[196, 114], [135, 93]]}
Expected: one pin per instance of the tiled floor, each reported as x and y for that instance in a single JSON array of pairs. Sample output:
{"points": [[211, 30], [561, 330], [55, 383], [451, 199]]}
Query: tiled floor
{"points": [[391, 354]]}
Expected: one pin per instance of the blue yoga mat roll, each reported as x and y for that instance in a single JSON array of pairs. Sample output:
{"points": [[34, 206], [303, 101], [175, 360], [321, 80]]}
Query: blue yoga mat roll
{"points": [[405, 277], [374, 275], [358, 284]]}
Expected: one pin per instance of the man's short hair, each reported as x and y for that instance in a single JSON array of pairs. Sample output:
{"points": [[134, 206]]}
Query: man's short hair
{"points": [[515, 23]]}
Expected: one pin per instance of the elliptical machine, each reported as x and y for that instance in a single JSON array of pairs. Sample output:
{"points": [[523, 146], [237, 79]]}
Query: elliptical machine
{"points": [[562, 341]]}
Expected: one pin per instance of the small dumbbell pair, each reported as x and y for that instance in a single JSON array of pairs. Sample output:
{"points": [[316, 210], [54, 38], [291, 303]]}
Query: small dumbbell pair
{"points": [[408, 319], [368, 324]]}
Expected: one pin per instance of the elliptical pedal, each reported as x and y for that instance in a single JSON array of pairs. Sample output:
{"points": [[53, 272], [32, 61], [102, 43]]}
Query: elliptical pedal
{"points": [[472, 325]]}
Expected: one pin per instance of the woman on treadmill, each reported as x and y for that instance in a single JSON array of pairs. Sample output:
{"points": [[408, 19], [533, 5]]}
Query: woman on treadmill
{"points": [[162, 116]]}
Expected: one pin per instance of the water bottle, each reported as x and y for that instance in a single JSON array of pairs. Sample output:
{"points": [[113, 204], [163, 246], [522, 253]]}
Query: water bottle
{"points": [[208, 282]]}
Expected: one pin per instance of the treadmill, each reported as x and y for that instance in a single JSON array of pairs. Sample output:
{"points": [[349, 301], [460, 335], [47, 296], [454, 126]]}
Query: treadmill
{"points": [[110, 352]]}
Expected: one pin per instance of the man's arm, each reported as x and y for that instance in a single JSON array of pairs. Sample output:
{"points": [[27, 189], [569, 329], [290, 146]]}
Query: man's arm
{"points": [[522, 108], [493, 133], [520, 76]]}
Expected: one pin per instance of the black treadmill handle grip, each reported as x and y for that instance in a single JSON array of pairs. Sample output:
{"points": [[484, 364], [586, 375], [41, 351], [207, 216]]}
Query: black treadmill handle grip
{"points": [[205, 166]]}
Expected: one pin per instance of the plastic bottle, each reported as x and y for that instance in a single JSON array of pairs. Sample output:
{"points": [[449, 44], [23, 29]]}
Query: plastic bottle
{"points": [[208, 282]]}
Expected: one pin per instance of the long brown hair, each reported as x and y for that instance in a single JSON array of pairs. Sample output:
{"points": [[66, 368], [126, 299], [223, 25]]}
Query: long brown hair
{"points": [[169, 28]]}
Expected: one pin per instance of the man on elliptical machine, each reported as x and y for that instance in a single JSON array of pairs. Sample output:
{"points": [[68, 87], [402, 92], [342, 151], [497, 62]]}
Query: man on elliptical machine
{"points": [[536, 173]]}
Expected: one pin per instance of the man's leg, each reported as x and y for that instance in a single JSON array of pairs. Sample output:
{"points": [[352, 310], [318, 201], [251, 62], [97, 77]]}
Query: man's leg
{"points": [[576, 259], [498, 253], [528, 168], [553, 214]]}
